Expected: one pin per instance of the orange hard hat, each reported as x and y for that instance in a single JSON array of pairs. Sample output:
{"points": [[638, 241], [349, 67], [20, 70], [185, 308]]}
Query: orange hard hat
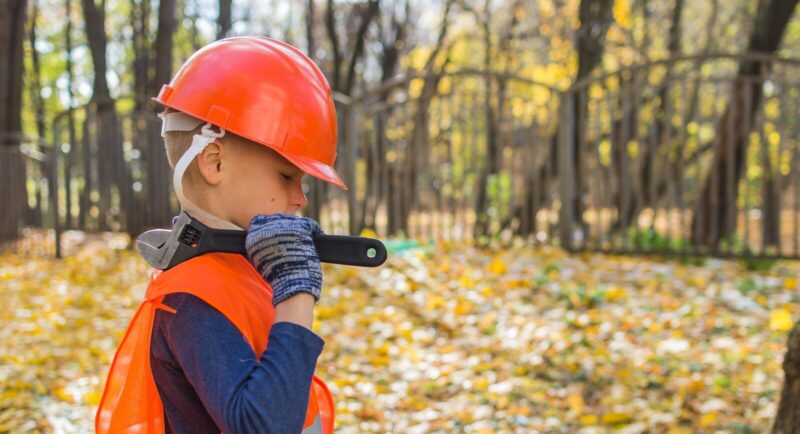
{"points": [[263, 90]]}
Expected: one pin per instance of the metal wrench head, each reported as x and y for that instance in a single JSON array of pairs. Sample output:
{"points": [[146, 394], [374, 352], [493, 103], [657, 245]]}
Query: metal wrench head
{"points": [[158, 246]]}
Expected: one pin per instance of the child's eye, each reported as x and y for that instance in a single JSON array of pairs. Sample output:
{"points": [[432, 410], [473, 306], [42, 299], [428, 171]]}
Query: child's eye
{"points": [[286, 177]]}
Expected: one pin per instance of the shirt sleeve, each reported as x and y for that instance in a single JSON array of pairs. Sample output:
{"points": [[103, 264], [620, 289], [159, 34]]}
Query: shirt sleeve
{"points": [[241, 392]]}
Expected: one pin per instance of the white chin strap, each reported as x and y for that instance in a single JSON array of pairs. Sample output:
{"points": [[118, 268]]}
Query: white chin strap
{"points": [[177, 121]]}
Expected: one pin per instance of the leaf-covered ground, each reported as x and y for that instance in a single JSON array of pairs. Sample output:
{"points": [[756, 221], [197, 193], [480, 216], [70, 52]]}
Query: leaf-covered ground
{"points": [[450, 339]]}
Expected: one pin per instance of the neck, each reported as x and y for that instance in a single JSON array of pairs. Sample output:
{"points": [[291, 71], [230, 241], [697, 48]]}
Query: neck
{"points": [[201, 209]]}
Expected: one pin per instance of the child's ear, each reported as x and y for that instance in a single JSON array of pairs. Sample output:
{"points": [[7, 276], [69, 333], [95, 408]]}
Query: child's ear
{"points": [[209, 162]]}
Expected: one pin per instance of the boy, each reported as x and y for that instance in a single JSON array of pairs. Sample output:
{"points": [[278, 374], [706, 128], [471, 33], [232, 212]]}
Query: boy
{"points": [[224, 343]]}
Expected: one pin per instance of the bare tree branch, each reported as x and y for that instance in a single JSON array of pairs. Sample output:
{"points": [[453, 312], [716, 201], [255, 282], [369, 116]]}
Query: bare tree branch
{"points": [[330, 26]]}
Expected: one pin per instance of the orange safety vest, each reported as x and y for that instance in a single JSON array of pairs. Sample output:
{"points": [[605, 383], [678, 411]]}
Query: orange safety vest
{"points": [[226, 281]]}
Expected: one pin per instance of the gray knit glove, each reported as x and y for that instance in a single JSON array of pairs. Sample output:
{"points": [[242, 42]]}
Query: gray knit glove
{"points": [[281, 248]]}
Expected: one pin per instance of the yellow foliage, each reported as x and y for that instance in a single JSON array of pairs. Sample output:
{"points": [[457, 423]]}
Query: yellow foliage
{"points": [[622, 13], [62, 394], [546, 9], [369, 233], [379, 361], [482, 383], [456, 325], [615, 418], [604, 148], [498, 267], [416, 57], [780, 320], [415, 87], [616, 294], [680, 430], [576, 403], [633, 149], [92, 397], [708, 419], [772, 108], [466, 281], [463, 307], [435, 301]]}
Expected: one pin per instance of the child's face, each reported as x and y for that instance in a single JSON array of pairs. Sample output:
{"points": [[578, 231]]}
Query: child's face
{"points": [[260, 181]]}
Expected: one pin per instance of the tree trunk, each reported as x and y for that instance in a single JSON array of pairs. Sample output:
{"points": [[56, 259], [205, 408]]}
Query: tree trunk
{"points": [[787, 420], [371, 11], [366, 13], [489, 166], [224, 21], [140, 13], [112, 168], [657, 177], [319, 190], [33, 215], [408, 167], [144, 85], [392, 201], [709, 222], [94, 18], [12, 184], [314, 207], [625, 131], [493, 112], [652, 150], [88, 175], [343, 84], [333, 35], [12, 30], [194, 34], [310, 14], [158, 171], [595, 17], [70, 120], [376, 157]]}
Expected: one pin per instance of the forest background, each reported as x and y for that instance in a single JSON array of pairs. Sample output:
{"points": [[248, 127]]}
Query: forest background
{"points": [[592, 206]]}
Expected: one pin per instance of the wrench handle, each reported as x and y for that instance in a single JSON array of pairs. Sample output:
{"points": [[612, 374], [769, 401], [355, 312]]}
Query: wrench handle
{"points": [[350, 250]]}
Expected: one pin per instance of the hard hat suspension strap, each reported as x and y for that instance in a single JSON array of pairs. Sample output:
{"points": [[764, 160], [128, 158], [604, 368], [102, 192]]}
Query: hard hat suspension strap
{"points": [[199, 142]]}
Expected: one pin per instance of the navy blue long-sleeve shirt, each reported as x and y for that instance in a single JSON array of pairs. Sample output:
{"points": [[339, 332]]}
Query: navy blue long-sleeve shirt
{"points": [[210, 380]]}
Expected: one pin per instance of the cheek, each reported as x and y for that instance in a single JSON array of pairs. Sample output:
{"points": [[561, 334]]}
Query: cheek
{"points": [[265, 195]]}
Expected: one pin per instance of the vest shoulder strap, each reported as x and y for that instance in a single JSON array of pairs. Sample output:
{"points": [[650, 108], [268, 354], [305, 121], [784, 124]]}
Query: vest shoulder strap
{"points": [[230, 284]]}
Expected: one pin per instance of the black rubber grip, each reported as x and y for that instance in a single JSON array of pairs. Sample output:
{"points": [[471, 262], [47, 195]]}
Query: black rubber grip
{"points": [[333, 249], [349, 250]]}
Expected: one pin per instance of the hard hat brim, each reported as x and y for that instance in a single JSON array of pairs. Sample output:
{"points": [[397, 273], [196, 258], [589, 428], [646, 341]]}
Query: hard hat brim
{"points": [[316, 169]]}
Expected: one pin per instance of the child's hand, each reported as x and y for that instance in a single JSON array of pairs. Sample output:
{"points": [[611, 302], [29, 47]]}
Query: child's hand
{"points": [[281, 248]]}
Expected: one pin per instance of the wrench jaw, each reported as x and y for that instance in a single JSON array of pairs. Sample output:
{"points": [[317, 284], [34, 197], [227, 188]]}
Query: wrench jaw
{"points": [[151, 244], [158, 247]]}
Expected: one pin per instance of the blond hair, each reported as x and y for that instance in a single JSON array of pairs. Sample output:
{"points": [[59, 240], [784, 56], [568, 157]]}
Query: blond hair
{"points": [[177, 142]]}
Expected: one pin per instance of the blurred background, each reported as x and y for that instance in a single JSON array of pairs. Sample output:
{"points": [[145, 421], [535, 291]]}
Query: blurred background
{"points": [[592, 206]]}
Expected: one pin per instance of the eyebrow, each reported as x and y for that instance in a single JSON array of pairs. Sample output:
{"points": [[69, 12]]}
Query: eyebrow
{"points": [[292, 169], [288, 167]]}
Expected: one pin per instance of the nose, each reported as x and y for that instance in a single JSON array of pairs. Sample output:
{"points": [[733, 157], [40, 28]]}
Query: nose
{"points": [[299, 198]]}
